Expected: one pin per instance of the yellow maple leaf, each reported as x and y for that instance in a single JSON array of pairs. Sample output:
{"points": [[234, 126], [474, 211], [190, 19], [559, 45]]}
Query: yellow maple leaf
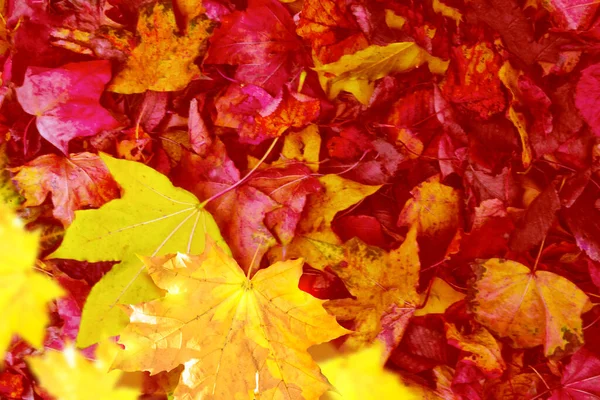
{"points": [[236, 337], [361, 375], [164, 59], [68, 375], [23, 291], [383, 286], [356, 73]]}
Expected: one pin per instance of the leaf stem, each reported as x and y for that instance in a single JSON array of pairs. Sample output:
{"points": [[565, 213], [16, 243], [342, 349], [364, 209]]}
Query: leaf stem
{"points": [[537, 259], [244, 179]]}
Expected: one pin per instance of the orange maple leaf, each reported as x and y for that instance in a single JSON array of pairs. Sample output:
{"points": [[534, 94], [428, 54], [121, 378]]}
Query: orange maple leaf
{"points": [[235, 336]]}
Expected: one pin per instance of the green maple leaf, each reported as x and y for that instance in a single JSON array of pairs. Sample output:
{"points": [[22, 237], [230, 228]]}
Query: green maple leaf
{"points": [[152, 218]]}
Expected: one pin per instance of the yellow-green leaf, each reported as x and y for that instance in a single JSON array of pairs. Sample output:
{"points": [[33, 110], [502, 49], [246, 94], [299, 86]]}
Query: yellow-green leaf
{"points": [[356, 73], [151, 218]]}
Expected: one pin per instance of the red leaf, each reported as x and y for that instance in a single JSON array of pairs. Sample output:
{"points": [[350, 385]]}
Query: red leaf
{"points": [[536, 222], [77, 182], [65, 101], [261, 40], [581, 378]]}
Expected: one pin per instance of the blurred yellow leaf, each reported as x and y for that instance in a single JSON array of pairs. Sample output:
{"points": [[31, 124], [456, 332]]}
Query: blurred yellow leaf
{"points": [[68, 375], [441, 296], [361, 376], [23, 291]]}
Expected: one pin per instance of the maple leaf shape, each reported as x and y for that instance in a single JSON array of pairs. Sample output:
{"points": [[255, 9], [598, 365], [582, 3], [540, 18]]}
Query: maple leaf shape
{"points": [[152, 217], [164, 59], [242, 337], [69, 375], [355, 73], [262, 41], [23, 292], [65, 101], [79, 181], [384, 286], [331, 29], [581, 378], [531, 308], [361, 375]]}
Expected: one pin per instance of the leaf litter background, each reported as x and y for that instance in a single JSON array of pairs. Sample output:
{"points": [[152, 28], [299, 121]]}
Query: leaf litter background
{"points": [[434, 164]]}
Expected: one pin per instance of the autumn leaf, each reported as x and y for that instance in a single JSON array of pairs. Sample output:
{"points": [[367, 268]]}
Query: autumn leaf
{"points": [[321, 208], [441, 296], [243, 337], [435, 211], [587, 96], [65, 101], [261, 41], [355, 73], [240, 212], [69, 375], [303, 146], [580, 377], [383, 286], [9, 195], [164, 58], [531, 308], [152, 217], [295, 111], [361, 375], [24, 292], [79, 181], [480, 347], [331, 29], [537, 220]]}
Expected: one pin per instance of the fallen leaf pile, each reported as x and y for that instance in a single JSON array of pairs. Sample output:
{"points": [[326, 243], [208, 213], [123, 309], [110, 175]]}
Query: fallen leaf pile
{"points": [[299, 199]]}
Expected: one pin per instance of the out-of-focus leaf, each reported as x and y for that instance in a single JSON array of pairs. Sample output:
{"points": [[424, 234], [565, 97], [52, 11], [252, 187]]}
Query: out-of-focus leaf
{"points": [[361, 375], [24, 292], [69, 375]]}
